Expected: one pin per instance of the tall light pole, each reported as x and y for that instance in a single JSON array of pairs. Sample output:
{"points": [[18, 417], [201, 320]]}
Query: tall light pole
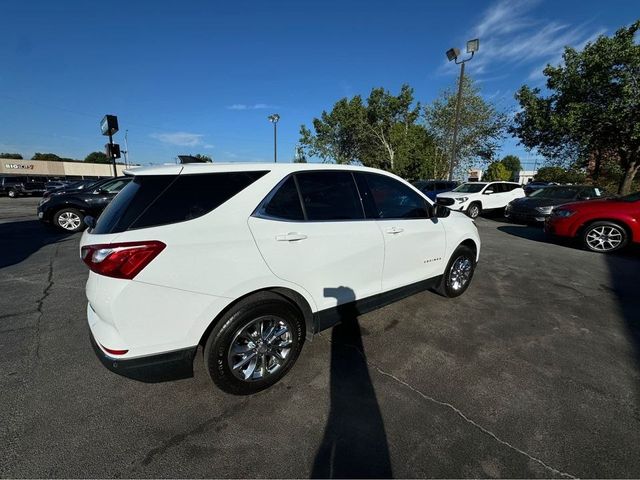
{"points": [[273, 118], [452, 54]]}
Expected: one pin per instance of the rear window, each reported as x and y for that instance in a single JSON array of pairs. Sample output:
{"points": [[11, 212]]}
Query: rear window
{"points": [[153, 200]]}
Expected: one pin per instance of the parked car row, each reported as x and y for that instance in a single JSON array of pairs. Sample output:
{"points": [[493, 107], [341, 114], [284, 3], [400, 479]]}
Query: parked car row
{"points": [[16, 186], [65, 209]]}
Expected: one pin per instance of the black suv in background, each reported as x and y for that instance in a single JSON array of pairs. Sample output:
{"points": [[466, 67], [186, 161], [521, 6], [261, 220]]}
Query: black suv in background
{"points": [[431, 188], [17, 186], [66, 210]]}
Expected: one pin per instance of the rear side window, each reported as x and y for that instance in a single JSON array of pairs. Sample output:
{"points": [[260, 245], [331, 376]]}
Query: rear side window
{"points": [[153, 200], [392, 199], [285, 203], [329, 196]]}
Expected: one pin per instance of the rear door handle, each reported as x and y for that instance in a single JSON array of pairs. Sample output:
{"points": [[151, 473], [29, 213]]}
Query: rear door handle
{"points": [[394, 230], [290, 237]]}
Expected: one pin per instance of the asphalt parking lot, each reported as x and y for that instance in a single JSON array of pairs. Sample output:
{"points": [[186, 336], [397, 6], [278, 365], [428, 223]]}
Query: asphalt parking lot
{"points": [[534, 372]]}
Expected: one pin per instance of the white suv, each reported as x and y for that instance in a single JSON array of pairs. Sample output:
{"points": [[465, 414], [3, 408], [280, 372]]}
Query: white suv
{"points": [[474, 197], [250, 260]]}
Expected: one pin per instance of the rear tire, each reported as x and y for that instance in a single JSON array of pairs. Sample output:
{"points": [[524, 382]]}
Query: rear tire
{"points": [[12, 194], [474, 210], [254, 344], [604, 237], [459, 272]]}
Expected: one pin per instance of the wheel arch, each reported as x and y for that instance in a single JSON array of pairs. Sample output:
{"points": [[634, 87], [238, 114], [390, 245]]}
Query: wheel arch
{"points": [[469, 242], [624, 223], [287, 294]]}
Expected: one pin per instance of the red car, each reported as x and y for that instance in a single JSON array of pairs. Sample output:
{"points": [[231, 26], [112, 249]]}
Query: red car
{"points": [[603, 225]]}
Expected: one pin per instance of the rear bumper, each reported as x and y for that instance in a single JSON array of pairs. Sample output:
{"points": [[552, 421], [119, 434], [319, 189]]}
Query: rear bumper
{"points": [[162, 367]]}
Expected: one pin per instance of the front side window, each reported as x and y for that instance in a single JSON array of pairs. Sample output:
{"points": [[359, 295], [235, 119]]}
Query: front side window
{"points": [[392, 199], [115, 185], [329, 196]]}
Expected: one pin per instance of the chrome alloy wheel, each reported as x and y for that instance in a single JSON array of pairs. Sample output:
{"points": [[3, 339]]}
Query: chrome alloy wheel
{"points": [[69, 220], [260, 348], [604, 238], [460, 273]]}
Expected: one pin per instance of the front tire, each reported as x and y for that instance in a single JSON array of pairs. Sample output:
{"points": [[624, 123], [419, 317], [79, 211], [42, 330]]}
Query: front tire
{"points": [[473, 211], [254, 344], [12, 194], [459, 272], [69, 220], [604, 237]]}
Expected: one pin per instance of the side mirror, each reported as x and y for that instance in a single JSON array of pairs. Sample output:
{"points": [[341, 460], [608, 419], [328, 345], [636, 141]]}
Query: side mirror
{"points": [[439, 211], [89, 221], [488, 192]]}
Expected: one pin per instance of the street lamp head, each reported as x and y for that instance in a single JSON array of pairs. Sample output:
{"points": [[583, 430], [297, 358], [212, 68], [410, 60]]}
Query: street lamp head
{"points": [[473, 45], [274, 118], [453, 53]]}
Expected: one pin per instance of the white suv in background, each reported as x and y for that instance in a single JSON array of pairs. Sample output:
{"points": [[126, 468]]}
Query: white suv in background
{"points": [[474, 197], [248, 261]]}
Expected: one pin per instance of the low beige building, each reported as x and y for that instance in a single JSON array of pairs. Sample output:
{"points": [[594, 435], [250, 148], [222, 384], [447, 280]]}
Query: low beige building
{"points": [[70, 170]]}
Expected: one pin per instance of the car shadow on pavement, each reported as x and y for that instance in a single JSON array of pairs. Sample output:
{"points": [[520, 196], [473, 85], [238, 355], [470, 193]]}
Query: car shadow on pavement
{"points": [[624, 270], [19, 240], [355, 442], [529, 232]]}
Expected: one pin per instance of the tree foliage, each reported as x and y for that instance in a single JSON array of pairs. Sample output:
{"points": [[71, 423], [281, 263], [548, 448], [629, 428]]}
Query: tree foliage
{"points": [[97, 157], [51, 157], [13, 156], [497, 171], [560, 175], [512, 163], [481, 126], [381, 132], [593, 108]]}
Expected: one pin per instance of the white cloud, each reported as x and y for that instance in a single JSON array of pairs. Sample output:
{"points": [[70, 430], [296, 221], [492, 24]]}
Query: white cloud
{"points": [[511, 35], [208, 146], [255, 106], [182, 139]]}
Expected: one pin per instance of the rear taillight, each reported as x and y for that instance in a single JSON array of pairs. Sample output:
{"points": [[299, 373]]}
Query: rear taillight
{"points": [[121, 260]]}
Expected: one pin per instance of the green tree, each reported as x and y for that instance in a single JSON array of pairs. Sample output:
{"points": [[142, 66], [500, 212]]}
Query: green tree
{"points": [[338, 134], [560, 175], [51, 157], [204, 158], [496, 171], [97, 157], [13, 156], [381, 132], [513, 164], [481, 127], [593, 108]]}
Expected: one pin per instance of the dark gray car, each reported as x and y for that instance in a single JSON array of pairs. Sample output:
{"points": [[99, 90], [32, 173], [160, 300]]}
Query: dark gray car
{"points": [[536, 207]]}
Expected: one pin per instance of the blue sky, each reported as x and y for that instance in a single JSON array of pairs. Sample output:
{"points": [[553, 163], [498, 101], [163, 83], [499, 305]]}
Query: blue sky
{"points": [[202, 76]]}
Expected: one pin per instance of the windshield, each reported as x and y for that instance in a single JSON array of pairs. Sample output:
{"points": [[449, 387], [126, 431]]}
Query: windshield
{"points": [[470, 187], [563, 193], [634, 197]]}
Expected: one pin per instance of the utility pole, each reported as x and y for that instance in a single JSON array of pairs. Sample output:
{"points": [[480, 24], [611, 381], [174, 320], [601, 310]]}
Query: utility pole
{"points": [[452, 54]]}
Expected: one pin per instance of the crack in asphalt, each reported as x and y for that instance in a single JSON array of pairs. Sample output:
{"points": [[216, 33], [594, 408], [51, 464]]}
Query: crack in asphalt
{"points": [[456, 410], [181, 437], [40, 301]]}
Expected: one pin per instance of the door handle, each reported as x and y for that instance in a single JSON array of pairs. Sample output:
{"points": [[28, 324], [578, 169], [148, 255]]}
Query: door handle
{"points": [[290, 237], [394, 230]]}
